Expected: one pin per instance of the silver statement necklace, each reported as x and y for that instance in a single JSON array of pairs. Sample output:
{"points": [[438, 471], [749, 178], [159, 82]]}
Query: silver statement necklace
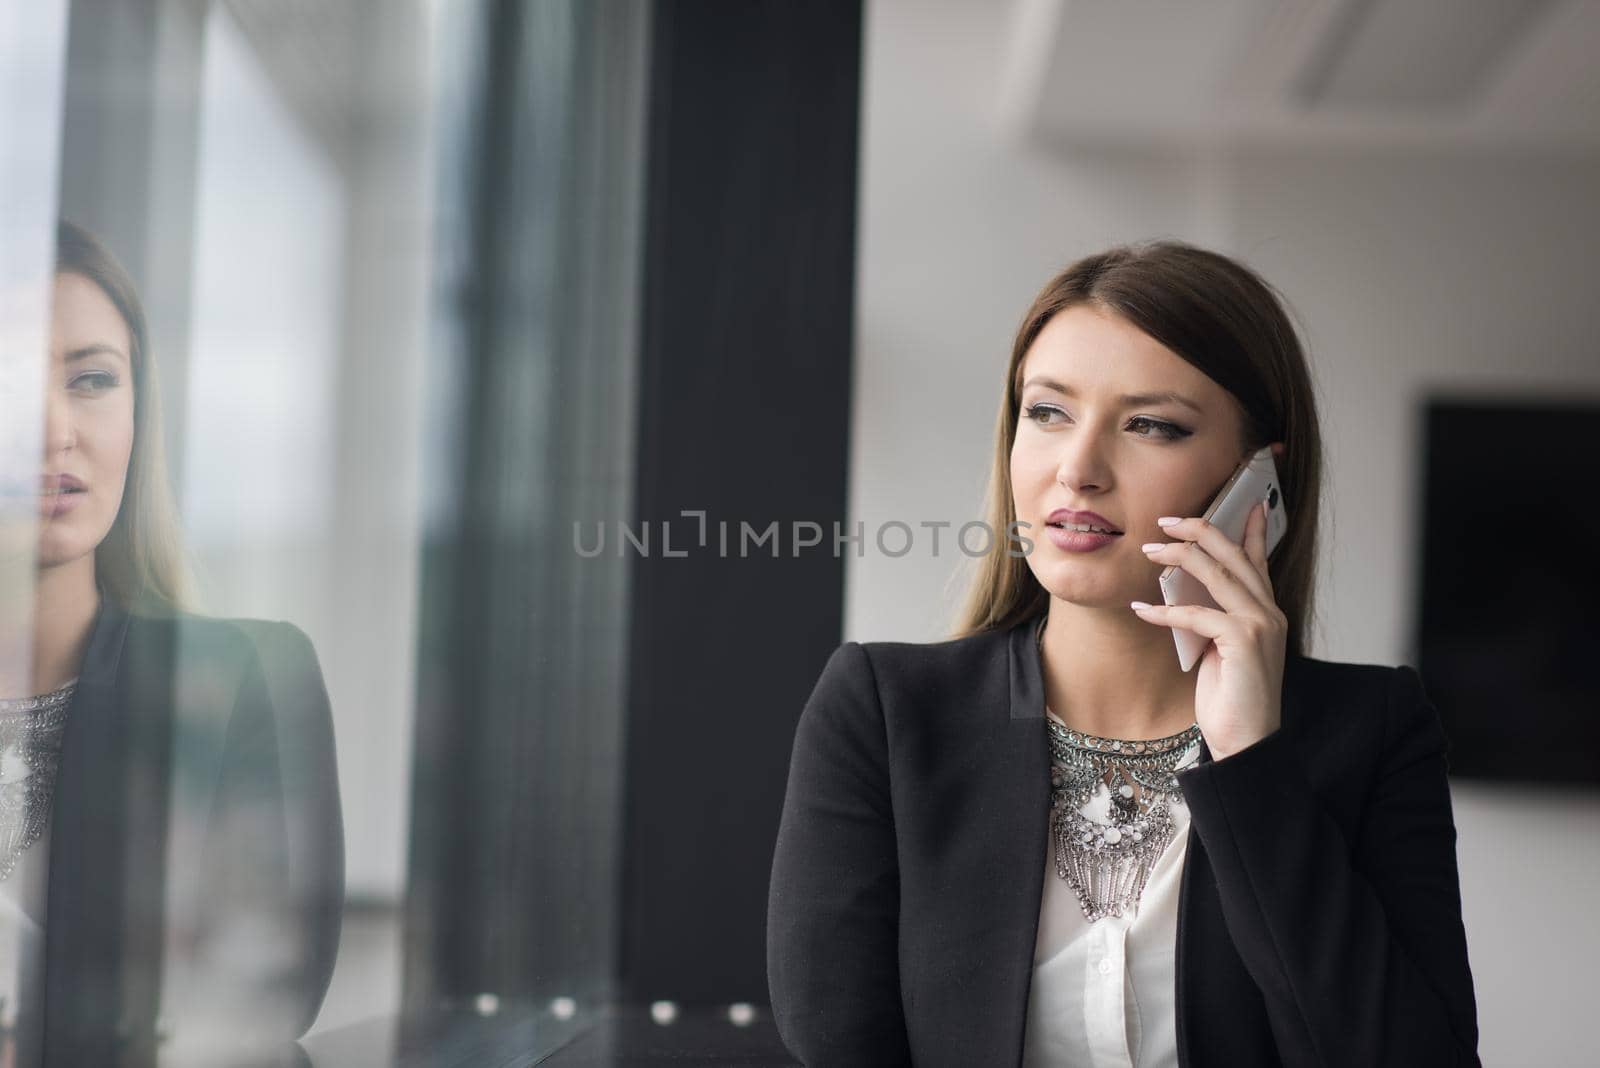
{"points": [[31, 730], [1110, 810]]}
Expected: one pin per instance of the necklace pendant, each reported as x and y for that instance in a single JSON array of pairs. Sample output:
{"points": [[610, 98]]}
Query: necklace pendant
{"points": [[1110, 812], [31, 732]]}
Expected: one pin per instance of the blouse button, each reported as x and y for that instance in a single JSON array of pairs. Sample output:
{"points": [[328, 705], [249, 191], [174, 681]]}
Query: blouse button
{"points": [[1105, 967]]}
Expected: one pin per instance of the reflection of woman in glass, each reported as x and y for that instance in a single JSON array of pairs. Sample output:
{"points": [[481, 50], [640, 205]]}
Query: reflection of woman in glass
{"points": [[1045, 843], [169, 809]]}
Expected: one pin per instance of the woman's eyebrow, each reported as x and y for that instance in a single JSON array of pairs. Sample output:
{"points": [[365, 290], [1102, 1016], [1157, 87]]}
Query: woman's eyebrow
{"points": [[1128, 399], [97, 349]]}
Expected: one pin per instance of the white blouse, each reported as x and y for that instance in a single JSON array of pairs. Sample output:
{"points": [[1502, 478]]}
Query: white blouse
{"points": [[1104, 993], [22, 918]]}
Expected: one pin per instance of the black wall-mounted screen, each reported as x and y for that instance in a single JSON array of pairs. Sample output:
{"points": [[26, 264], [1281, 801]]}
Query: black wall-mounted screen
{"points": [[1508, 636]]}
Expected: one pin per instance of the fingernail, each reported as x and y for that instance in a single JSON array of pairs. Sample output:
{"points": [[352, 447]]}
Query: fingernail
{"points": [[1152, 546], [1138, 605], [1168, 520]]}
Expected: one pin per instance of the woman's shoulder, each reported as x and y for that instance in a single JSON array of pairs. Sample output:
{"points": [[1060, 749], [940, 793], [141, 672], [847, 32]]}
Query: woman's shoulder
{"points": [[256, 680], [1335, 697], [212, 644], [947, 668], [218, 631], [1344, 680], [947, 654]]}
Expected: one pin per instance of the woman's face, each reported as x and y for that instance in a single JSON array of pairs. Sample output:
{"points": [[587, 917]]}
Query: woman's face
{"points": [[88, 419], [1081, 445]]}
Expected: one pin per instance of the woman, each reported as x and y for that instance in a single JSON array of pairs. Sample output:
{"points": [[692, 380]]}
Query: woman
{"points": [[1042, 842], [172, 850]]}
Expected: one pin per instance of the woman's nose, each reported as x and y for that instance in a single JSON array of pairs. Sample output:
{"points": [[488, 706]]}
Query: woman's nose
{"points": [[1081, 464], [59, 434]]}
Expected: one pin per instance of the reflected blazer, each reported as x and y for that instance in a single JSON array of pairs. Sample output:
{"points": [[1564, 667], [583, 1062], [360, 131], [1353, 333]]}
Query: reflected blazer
{"points": [[196, 846], [1319, 918]]}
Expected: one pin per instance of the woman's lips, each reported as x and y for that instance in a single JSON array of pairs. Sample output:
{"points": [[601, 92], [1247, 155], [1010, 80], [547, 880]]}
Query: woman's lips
{"points": [[1078, 541], [54, 503]]}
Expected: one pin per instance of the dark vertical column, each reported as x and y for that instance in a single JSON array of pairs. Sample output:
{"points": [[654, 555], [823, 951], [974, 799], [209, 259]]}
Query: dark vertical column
{"points": [[744, 406], [129, 148]]}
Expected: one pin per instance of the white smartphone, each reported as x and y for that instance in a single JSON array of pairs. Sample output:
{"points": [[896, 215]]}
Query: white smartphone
{"points": [[1255, 480]]}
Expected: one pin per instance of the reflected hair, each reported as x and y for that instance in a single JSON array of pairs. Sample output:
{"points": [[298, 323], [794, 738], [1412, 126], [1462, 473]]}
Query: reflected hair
{"points": [[1228, 322], [140, 563]]}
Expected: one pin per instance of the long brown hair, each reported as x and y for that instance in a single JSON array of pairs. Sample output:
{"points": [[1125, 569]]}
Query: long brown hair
{"points": [[1231, 324], [140, 562]]}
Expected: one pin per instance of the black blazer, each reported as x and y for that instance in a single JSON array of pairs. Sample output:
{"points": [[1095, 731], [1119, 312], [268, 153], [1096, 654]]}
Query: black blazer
{"points": [[196, 805], [1319, 920]]}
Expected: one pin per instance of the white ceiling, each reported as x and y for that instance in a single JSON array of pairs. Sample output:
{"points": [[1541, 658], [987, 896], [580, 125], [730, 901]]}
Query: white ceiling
{"points": [[1495, 75]]}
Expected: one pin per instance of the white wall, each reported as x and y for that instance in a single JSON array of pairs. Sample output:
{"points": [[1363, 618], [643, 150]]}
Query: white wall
{"points": [[301, 468], [958, 231], [1463, 274], [1405, 273]]}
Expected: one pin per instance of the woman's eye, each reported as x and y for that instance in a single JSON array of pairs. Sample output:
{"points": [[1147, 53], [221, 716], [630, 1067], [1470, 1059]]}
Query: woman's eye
{"points": [[1169, 431], [94, 381], [1142, 425], [1039, 413]]}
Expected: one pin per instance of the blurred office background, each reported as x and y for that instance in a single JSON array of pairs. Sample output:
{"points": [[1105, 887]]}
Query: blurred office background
{"points": [[1422, 181], [433, 281]]}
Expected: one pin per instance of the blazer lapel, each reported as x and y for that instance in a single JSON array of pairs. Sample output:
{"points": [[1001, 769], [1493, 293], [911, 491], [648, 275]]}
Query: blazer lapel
{"points": [[85, 885], [107, 850], [1022, 787]]}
